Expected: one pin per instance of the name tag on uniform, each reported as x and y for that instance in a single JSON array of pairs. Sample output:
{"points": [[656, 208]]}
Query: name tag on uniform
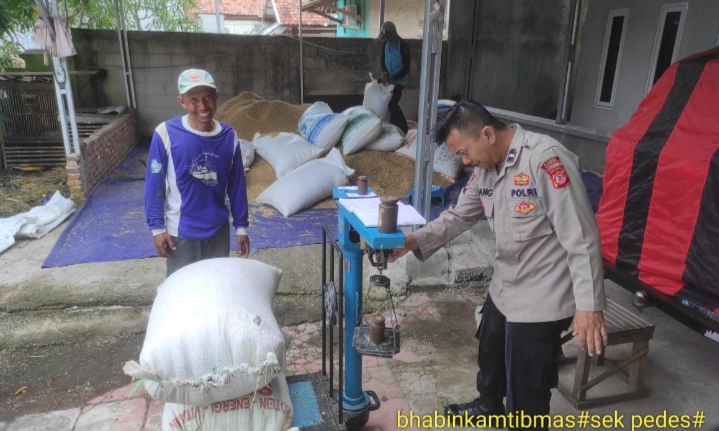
{"points": [[486, 192], [522, 192]]}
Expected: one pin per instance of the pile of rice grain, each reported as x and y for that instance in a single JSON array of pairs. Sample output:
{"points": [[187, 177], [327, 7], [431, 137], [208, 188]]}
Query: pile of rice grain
{"points": [[248, 113]]}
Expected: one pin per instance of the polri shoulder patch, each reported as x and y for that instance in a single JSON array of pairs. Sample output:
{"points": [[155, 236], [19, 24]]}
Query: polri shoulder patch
{"points": [[555, 169]]}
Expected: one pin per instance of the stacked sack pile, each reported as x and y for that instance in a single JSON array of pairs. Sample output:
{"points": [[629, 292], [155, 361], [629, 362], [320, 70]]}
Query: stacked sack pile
{"points": [[213, 351], [322, 149]]}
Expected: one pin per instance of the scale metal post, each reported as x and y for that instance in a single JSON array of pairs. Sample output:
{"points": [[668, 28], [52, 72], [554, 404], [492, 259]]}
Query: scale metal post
{"points": [[350, 230], [322, 403]]}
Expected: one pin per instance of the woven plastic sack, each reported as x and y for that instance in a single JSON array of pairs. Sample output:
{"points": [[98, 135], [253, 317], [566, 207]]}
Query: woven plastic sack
{"points": [[363, 128], [445, 163], [390, 139], [324, 130], [317, 108], [285, 151], [268, 409], [212, 335], [248, 154], [307, 185], [377, 97]]}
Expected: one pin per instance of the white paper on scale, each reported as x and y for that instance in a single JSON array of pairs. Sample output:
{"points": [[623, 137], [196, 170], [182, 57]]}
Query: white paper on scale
{"points": [[367, 211]]}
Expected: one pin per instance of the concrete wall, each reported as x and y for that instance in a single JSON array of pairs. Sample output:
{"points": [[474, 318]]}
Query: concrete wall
{"points": [[589, 145], [460, 49], [700, 33], [268, 66], [518, 56]]}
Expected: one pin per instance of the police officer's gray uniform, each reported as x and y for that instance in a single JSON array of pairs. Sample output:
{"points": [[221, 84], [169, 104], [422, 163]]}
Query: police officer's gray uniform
{"points": [[548, 250], [548, 260]]}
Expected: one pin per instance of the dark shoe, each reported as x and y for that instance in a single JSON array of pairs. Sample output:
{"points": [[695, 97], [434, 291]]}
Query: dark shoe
{"points": [[482, 406]]}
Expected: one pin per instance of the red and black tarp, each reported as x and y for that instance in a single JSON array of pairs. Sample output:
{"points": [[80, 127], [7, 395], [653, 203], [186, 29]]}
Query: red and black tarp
{"points": [[659, 213]]}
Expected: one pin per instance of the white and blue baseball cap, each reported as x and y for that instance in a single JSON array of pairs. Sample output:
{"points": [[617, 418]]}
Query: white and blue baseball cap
{"points": [[192, 78]]}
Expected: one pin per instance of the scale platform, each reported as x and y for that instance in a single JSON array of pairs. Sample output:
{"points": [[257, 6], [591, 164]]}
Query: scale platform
{"points": [[314, 410]]}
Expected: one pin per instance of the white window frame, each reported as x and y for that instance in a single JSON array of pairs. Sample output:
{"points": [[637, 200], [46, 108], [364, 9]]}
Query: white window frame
{"points": [[607, 35], [667, 8]]}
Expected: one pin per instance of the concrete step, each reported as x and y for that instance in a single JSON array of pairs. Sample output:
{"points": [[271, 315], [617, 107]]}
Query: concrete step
{"points": [[64, 305]]}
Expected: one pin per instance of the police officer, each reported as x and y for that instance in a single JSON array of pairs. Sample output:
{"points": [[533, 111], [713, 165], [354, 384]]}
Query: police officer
{"points": [[395, 67], [548, 262]]}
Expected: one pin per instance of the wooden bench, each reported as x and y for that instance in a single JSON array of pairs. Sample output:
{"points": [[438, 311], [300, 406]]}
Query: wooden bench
{"points": [[623, 327]]}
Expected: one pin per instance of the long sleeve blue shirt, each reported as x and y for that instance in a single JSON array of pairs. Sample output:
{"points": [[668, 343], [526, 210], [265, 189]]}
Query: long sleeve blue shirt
{"points": [[189, 173]]}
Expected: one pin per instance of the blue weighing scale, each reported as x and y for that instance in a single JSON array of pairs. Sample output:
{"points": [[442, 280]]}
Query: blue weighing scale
{"points": [[316, 397]]}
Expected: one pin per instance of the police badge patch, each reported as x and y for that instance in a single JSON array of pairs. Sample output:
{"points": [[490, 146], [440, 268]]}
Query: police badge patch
{"points": [[521, 179], [524, 208], [555, 169]]}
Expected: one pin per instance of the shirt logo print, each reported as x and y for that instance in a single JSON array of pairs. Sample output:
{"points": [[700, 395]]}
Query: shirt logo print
{"points": [[155, 166]]}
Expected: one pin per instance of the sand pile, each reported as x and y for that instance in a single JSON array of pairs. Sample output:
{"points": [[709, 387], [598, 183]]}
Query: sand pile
{"points": [[248, 113]]}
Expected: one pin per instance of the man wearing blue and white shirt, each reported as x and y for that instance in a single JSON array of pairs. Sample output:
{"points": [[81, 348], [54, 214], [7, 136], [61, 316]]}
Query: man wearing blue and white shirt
{"points": [[194, 162], [395, 67]]}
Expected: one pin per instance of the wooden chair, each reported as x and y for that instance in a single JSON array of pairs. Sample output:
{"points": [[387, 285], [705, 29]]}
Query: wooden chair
{"points": [[623, 327]]}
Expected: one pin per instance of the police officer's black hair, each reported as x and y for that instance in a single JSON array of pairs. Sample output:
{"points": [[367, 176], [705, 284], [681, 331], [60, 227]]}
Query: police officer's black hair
{"points": [[465, 116]]}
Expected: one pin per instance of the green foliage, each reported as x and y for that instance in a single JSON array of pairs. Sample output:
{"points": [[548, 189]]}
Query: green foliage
{"points": [[148, 15], [8, 51], [143, 15], [17, 16]]}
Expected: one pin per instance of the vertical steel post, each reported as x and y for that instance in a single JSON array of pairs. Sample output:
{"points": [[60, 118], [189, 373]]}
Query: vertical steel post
{"points": [[381, 14], [428, 93], [217, 16], [302, 65], [569, 55], [353, 398]]}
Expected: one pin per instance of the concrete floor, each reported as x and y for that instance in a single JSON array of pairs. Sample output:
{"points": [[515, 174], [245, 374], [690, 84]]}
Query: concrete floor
{"points": [[437, 364]]}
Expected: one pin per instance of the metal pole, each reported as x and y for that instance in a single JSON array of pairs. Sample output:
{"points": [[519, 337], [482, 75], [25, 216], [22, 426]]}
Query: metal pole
{"points": [[63, 118], [381, 14], [64, 86], [126, 52], [122, 53], [569, 53], [302, 78], [429, 91], [217, 15]]}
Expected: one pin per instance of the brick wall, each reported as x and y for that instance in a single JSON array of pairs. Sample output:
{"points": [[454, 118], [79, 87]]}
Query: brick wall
{"points": [[102, 152]]}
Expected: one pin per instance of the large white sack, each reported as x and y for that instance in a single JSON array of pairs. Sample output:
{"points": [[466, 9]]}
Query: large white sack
{"points": [[307, 185], [445, 163], [323, 130], [377, 97], [390, 139], [317, 108], [285, 151], [268, 409], [248, 154], [212, 335], [37, 222], [363, 128]]}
